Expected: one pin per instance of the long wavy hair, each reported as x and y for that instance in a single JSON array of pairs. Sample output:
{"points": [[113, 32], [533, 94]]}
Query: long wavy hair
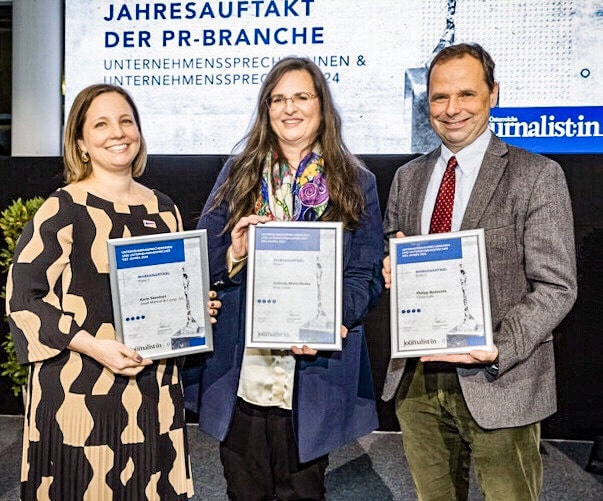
{"points": [[75, 168], [242, 186]]}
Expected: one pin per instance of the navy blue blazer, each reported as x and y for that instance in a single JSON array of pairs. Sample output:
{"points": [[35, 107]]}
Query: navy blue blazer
{"points": [[333, 397]]}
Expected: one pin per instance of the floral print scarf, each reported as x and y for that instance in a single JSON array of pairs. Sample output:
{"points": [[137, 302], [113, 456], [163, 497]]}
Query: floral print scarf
{"points": [[285, 197]]}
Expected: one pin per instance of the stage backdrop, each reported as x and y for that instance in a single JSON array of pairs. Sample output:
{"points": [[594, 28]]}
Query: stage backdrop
{"points": [[578, 340], [195, 67]]}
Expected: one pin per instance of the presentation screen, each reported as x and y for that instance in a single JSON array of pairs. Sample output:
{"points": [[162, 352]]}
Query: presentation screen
{"points": [[195, 68]]}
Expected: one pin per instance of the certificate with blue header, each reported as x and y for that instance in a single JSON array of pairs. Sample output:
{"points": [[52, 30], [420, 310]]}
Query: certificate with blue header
{"points": [[159, 288], [294, 285], [440, 301]]}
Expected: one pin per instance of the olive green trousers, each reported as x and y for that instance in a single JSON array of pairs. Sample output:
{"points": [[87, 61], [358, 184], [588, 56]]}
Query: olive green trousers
{"points": [[441, 439]]}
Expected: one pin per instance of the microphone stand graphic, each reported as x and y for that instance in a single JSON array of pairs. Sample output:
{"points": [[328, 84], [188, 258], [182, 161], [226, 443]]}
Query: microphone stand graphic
{"points": [[320, 326], [423, 138], [192, 330], [459, 335]]}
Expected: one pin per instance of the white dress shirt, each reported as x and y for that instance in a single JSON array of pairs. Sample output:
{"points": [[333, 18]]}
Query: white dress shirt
{"points": [[267, 377], [469, 161]]}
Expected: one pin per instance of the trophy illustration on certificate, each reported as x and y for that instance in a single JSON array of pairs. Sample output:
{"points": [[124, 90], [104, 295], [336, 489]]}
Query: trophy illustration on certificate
{"points": [[439, 294], [320, 328], [192, 334], [469, 328]]}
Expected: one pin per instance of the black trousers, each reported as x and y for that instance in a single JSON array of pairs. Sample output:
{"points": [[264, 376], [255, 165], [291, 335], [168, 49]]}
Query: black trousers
{"points": [[260, 458]]}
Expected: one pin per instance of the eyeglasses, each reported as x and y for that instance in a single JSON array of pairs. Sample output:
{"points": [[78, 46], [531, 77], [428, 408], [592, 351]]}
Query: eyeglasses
{"points": [[278, 101]]}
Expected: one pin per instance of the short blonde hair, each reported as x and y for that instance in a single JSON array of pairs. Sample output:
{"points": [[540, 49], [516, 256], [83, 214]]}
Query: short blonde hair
{"points": [[75, 169]]}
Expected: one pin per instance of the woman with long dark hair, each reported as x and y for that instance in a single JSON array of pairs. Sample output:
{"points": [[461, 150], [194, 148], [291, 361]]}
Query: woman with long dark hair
{"points": [[278, 413]]}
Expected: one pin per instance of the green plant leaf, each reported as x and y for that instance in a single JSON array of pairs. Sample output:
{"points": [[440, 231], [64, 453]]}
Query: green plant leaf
{"points": [[12, 222]]}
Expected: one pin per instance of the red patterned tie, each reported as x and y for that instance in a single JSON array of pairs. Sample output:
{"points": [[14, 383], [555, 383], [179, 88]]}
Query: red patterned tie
{"points": [[441, 219]]}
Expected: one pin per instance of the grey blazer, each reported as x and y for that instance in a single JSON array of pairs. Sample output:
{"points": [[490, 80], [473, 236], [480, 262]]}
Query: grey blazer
{"points": [[522, 202]]}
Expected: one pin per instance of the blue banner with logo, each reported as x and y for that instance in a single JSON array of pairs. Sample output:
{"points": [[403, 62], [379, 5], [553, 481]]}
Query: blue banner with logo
{"points": [[550, 130], [432, 250], [149, 254], [287, 239]]}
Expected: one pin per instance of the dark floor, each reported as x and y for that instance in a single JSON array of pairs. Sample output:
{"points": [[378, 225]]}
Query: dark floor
{"points": [[372, 468]]}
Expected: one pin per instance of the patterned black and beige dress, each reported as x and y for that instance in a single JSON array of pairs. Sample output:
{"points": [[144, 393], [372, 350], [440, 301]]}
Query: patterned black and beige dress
{"points": [[90, 434]]}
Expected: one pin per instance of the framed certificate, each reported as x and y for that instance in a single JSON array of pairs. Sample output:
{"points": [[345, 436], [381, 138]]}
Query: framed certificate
{"points": [[440, 301], [159, 287], [294, 284]]}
